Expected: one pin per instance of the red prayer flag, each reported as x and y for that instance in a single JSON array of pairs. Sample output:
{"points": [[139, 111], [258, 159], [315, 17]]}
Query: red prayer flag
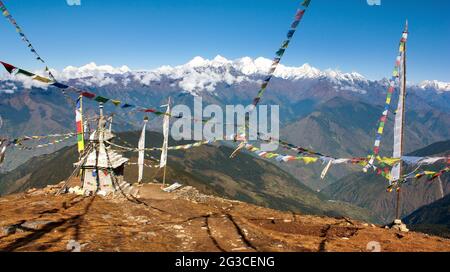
{"points": [[8, 66], [299, 14], [88, 95]]}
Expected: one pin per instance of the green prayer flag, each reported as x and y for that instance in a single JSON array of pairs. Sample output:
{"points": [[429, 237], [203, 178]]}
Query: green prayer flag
{"points": [[280, 52], [260, 93], [101, 99], [306, 3], [23, 72]]}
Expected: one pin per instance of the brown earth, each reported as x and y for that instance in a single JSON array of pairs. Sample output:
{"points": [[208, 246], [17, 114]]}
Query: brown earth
{"points": [[184, 220]]}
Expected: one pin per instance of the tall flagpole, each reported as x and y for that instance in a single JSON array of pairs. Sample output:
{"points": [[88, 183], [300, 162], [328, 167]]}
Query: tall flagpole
{"points": [[397, 213]]}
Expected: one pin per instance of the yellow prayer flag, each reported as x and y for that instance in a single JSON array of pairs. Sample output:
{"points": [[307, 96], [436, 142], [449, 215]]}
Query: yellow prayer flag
{"points": [[115, 102], [389, 161], [42, 79], [309, 160]]}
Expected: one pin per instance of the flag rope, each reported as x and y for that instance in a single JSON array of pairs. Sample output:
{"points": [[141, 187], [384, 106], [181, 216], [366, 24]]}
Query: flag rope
{"points": [[280, 52], [23, 37]]}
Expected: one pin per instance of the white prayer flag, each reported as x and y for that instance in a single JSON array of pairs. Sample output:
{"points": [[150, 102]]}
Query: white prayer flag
{"points": [[163, 160], [141, 147], [398, 135], [325, 170], [2, 152]]}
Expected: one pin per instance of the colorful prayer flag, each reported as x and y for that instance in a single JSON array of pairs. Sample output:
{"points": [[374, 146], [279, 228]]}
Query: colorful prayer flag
{"points": [[88, 95], [79, 124], [101, 99]]}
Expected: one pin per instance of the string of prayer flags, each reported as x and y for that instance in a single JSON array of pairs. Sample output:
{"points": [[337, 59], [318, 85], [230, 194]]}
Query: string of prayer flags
{"points": [[382, 161], [440, 173], [279, 157], [299, 149], [280, 52], [146, 165], [47, 144], [23, 37], [425, 173], [14, 71], [307, 160], [431, 176], [179, 147], [384, 170], [19, 141], [393, 82]]}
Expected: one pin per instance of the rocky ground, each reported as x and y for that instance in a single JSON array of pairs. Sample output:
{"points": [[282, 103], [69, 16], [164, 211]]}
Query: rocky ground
{"points": [[184, 220]]}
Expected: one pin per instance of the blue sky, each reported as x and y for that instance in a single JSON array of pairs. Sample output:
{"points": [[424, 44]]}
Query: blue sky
{"points": [[348, 35]]}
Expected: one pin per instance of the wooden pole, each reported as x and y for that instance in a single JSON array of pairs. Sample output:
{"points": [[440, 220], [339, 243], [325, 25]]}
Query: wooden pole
{"points": [[164, 175], [441, 189]]}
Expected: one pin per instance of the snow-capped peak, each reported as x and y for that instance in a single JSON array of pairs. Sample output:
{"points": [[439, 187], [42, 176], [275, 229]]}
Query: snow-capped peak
{"points": [[197, 62], [91, 70], [200, 74], [436, 85], [219, 59]]}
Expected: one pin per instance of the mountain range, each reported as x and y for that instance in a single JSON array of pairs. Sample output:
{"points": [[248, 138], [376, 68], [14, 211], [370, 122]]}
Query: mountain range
{"points": [[329, 111], [433, 218]]}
